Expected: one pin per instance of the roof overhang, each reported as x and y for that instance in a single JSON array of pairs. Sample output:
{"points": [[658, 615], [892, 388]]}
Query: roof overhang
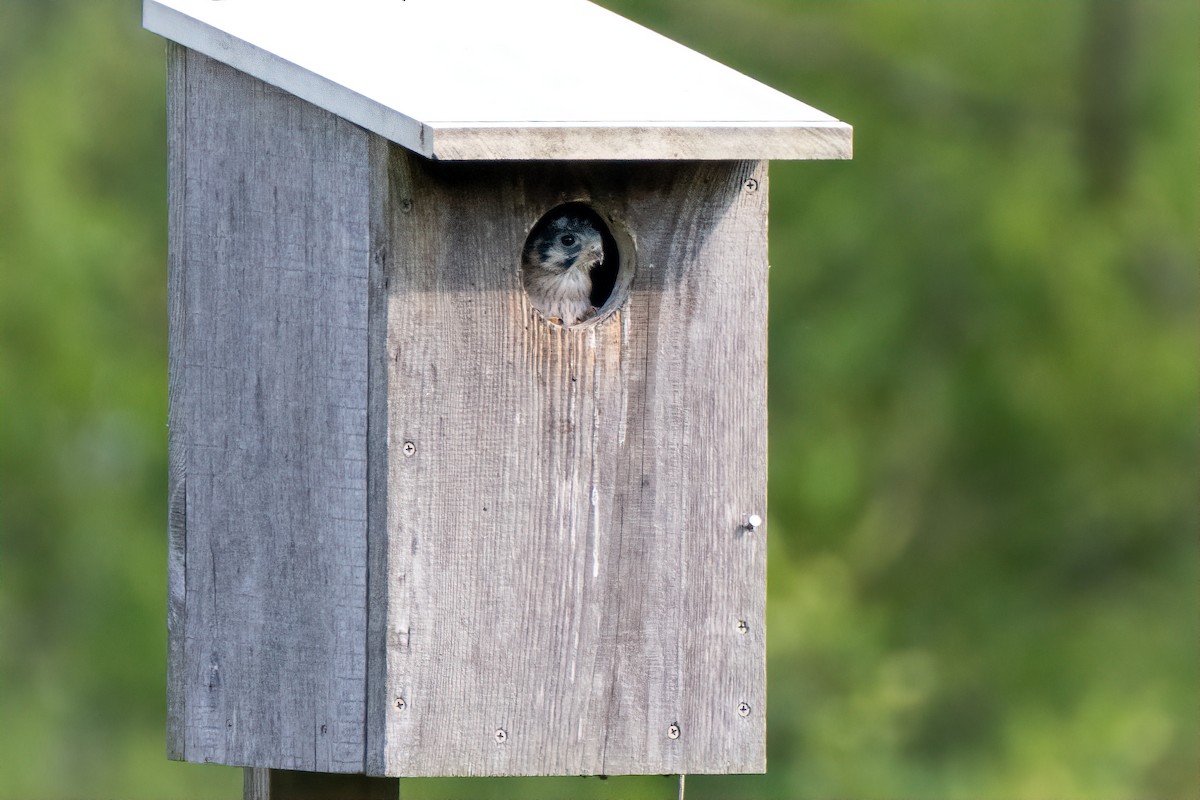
{"points": [[521, 79]]}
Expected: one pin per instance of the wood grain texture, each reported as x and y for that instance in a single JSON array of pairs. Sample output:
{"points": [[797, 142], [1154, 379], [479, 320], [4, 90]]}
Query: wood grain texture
{"points": [[376, 690], [471, 79], [268, 394], [640, 141], [567, 565], [282, 784], [176, 433], [556, 571]]}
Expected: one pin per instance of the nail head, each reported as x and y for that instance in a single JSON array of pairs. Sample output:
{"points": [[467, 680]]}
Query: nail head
{"points": [[753, 522]]}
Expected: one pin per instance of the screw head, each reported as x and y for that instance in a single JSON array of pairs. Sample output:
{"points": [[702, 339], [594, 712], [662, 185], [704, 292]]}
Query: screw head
{"points": [[753, 522], [501, 736], [742, 627], [744, 709], [409, 449], [401, 704], [750, 185], [673, 730]]}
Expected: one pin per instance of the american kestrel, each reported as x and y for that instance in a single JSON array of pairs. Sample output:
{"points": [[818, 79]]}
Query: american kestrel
{"points": [[559, 257]]}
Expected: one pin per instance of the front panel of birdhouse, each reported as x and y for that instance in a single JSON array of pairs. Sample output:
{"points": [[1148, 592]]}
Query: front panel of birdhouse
{"points": [[418, 525], [572, 584]]}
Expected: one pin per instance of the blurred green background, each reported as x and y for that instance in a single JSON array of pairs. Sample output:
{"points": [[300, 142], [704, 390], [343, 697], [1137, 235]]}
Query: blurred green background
{"points": [[984, 572]]}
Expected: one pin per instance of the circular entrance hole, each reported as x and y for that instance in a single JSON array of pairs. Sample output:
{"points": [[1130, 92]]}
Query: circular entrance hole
{"points": [[576, 265]]}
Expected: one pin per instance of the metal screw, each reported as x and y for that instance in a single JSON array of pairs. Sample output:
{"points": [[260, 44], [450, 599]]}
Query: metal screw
{"points": [[501, 736], [673, 730], [750, 185], [410, 449], [742, 626], [744, 710], [753, 522], [400, 704]]}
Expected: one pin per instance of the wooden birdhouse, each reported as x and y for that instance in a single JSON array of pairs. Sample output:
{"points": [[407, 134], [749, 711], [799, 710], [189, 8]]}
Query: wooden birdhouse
{"points": [[423, 521]]}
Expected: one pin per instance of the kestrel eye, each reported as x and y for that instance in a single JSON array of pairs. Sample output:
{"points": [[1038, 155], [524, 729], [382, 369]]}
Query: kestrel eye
{"points": [[567, 240]]}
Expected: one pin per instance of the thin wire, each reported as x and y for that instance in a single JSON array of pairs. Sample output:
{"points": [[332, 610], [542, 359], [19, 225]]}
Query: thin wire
{"points": [[682, 777]]}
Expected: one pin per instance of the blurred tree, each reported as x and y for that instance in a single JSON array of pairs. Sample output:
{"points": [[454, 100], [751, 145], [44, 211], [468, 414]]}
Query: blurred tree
{"points": [[1105, 86]]}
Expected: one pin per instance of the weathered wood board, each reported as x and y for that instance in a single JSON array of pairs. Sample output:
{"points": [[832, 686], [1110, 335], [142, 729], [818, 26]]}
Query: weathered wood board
{"points": [[269, 242], [568, 572], [554, 578]]}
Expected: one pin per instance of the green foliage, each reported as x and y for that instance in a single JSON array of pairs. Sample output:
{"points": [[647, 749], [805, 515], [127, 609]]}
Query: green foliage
{"points": [[983, 569]]}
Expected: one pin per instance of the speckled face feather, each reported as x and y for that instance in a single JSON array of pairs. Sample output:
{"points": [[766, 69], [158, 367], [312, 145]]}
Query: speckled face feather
{"points": [[565, 242], [559, 258]]}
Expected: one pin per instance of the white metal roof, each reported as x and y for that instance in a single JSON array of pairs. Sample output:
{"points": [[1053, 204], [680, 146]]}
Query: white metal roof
{"points": [[503, 79]]}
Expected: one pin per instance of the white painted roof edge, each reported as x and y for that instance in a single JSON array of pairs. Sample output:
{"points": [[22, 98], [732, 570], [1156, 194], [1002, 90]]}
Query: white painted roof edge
{"points": [[270, 68], [823, 138], [701, 142]]}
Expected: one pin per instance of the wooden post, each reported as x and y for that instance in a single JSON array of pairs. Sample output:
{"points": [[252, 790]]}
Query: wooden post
{"points": [[286, 784]]}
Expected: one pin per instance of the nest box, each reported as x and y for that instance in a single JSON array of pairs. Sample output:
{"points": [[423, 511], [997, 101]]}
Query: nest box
{"points": [[418, 524]]}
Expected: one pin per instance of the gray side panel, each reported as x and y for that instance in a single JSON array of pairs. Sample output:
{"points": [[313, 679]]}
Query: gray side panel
{"points": [[268, 395]]}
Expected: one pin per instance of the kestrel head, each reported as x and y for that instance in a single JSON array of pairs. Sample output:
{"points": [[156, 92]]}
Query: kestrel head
{"points": [[565, 242]]}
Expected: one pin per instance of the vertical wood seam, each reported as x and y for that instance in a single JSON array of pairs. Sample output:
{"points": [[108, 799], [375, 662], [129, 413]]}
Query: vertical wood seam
{"points": [[377, 702], [176, 63]]}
